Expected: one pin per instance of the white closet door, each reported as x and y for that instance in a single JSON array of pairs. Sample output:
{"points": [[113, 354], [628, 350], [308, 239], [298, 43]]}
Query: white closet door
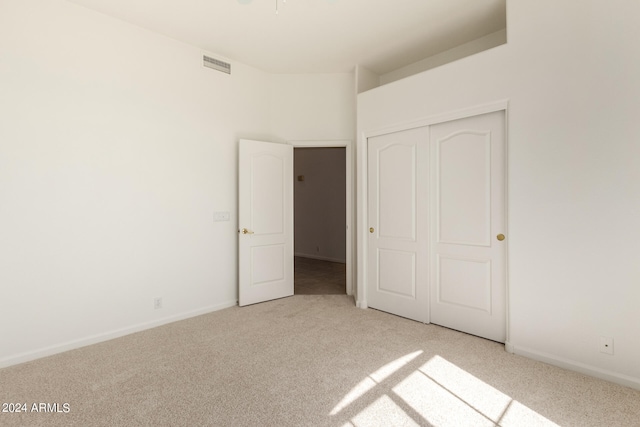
{"points": [[468, 270], [398, 194]]}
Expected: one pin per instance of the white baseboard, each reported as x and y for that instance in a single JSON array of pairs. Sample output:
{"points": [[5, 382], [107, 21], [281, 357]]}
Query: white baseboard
{"points": [[106, 336], [508, 347], [361, 304], [572, 365], [320, 257]]}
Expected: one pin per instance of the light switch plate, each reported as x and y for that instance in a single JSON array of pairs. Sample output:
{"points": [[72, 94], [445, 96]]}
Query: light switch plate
{"points": [[221, 216]]}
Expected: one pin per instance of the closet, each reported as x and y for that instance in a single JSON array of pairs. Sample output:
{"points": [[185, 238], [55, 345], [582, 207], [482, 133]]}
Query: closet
{"points": [[437, 224]]}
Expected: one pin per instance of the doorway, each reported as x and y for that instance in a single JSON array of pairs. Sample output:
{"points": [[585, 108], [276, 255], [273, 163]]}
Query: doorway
{"points": [[320, 209]]}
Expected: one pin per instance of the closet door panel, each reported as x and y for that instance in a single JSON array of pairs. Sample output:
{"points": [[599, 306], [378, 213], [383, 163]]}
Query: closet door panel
{"points": [[398, 226], [468, 251]]}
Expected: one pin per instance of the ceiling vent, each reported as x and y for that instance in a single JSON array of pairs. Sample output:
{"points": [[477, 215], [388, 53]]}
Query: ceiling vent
{"points": [[216, 64]]}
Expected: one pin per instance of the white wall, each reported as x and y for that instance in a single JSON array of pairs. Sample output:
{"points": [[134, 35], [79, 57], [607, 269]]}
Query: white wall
{"points": [[471, 48], [365, 79], [570, 72], [116, 147], [320, 203], [313, 106]]}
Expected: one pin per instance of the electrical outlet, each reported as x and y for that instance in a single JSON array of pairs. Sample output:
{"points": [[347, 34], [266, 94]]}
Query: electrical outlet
{"points": [[606, 345], [157, 303]]}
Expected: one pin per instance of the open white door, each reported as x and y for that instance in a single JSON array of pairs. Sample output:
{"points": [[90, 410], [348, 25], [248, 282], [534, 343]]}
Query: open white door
{"points": [[265, 221]]}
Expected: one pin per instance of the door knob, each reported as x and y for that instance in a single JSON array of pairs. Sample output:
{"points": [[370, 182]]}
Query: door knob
{"points": [[500, 237], [245, 231], [371, 230]]}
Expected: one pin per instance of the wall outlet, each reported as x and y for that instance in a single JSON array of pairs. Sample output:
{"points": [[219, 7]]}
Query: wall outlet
{"points": [[157, 303], [606, 345]]}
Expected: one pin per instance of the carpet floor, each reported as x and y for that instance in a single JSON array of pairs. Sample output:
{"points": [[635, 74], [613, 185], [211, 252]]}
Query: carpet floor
{"points": [[307, 360]]}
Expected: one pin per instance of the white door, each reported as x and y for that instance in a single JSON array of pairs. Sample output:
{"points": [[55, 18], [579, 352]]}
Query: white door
{"points": [[468, 270], [397, 197], [265, 221]]}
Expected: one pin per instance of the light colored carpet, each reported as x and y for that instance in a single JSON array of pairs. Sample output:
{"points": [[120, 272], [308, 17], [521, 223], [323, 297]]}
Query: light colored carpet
{"points": [[308, 360]]}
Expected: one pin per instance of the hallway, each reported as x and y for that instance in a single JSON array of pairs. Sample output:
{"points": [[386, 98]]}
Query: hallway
{"points": [[316, 277]]}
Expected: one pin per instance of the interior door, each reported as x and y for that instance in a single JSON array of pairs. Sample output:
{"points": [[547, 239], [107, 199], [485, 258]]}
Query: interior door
{"points": [[398, 190], [468, 250], [265, 221]]}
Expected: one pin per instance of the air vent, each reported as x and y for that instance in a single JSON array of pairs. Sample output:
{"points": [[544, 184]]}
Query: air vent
{"points": [[216, 64]]}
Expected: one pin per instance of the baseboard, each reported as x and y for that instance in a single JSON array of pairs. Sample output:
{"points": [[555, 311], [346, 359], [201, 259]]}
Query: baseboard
{"points": [[320, 257], [361, 304], [572, 365], [94, 339], [508, 347]]}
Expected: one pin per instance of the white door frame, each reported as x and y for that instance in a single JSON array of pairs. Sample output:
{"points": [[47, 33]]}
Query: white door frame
{"points": [[362, 190], [350, 202]]}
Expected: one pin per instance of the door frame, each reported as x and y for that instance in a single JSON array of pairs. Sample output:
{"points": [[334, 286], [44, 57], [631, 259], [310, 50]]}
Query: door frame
{"points": [[362, 191], [350, 195]]}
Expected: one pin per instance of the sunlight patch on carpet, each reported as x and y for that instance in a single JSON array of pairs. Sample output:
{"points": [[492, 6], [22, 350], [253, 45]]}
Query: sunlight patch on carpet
{"points": [[370, 382], [439, 393], [393, 415]]}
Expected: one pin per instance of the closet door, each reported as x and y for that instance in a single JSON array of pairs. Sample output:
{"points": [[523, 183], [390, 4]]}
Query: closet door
{"points": [[398, 223], [468, 246]]}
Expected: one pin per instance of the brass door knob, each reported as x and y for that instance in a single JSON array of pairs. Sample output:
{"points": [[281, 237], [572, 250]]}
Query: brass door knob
{"points": [[245, 231], [500, 237], [371, 230]]}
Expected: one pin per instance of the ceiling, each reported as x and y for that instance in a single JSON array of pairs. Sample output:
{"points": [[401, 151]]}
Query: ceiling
{"points": [[314, 36]]}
